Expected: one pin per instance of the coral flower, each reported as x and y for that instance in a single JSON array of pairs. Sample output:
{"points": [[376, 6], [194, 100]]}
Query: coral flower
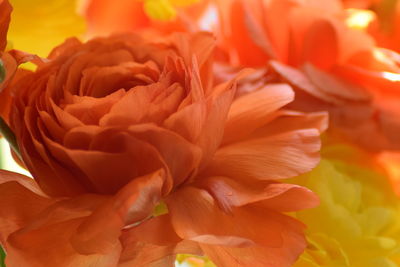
{"points": [[138, 156], [333, 67], [358, 210]]}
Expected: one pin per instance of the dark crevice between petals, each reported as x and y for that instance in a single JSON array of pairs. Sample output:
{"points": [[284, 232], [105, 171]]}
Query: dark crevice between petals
{"points": [[2, 71]]}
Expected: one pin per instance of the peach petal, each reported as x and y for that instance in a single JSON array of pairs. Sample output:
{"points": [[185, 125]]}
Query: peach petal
{"points": [[181, 156], [18, 203], [188, 206], [274, 157], [276, 196], [288, 120], [251, 111], [258, 256], [157, 231], [322, 56], [189, 121], [94, 164], [213, 130], [35, 245], [336, 86], [133, 107], [301, 81], [90, 110], [131, 204]]}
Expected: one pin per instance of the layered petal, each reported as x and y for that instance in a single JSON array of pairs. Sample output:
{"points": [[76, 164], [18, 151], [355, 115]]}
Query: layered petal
{"points": [[87, 227], [279, 244], [273, 157]]}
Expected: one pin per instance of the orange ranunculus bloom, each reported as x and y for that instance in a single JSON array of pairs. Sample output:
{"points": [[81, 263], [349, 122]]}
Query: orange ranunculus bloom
{"points": [[333, 67], [138, 156]]}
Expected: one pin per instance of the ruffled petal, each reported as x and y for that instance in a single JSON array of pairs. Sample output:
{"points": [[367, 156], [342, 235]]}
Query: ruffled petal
{"points": [[21, 201], [252, 110], [250, 236], [189, 206], [277, 156], [275, 196], [132, 204], [154, 242], [257, 256], [30, 222], [181, 156]]}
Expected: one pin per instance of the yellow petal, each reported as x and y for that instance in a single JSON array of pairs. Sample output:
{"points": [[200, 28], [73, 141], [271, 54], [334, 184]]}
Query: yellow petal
{"points": [[37, 26], [160, 9], [358, 221]]}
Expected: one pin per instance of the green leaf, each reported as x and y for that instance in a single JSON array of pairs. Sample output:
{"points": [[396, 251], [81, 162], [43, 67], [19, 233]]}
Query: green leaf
{"points": [[2, 257], [9, 136]]}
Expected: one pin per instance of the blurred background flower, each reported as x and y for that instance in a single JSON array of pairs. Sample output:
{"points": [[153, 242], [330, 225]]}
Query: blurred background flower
{"points": [[358, 221], [38, 26]]}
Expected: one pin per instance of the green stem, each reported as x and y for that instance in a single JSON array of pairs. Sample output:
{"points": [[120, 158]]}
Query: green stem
{"points": [[9, 136], [2, 71], [2, 257]]}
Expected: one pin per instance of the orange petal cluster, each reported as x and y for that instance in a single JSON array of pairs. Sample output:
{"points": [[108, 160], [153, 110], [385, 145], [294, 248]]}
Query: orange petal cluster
{"points": [[309, 45], [115, 129], [332, 67]]}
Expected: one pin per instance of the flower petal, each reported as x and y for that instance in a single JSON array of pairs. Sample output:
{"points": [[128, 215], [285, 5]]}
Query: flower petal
{"points": [[190, 206], [131, 204], [275, 196], [321, 46], [251, 111], [277, 156]]}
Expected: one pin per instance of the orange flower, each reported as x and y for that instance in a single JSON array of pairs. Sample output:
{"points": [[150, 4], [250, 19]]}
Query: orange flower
{"points": [[385, 25], [333, 67], [105, 17], [143, 157]]}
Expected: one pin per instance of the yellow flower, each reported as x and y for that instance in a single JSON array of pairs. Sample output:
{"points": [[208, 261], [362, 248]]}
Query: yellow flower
{"points": [[37, 26], [164, 9], [358, 221]]}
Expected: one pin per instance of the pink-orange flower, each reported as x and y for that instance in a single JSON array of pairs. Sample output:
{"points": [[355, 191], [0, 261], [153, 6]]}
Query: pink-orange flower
{"points": [[333, 67], [137, 155]]}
